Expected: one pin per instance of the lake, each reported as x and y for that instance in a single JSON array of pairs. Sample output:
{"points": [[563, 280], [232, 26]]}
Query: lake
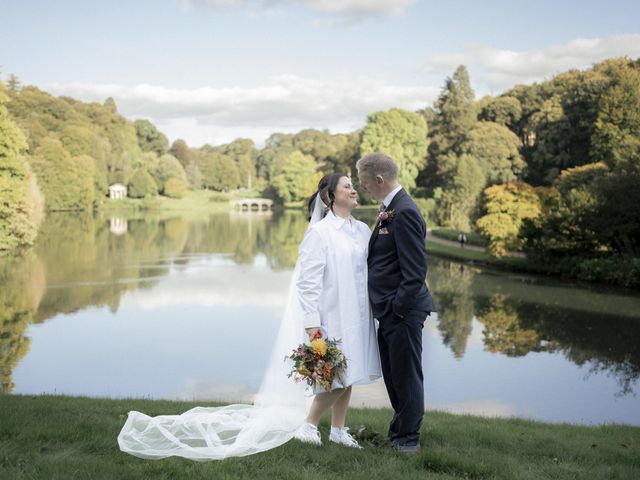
{"points": [[178, 306]]}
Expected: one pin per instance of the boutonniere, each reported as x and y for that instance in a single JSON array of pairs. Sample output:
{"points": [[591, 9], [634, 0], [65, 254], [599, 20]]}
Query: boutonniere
{"points": [[386, 216]]}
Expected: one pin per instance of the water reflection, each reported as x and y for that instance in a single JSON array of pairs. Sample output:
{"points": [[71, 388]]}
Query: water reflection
{"points": [[521, 315], [136, 276]]}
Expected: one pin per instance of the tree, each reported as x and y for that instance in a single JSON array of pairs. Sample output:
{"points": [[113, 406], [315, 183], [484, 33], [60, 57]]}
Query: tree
{"points": [[497, 150], [21, 205], [298, 179], [335, 153], [219, 171], [590, 213], [507, 206], [504, 110], [403, 136], [13, 84], [67, 182], [617, 130], [456, 113], [244, 153], [175, 188], [194, 176], [150, 138], [450, 123], [182, 152], [551, 152], [460, 192], [84, 139], [142, 184], [557, 123], [110, 105], [168, 167], [271, 158]]}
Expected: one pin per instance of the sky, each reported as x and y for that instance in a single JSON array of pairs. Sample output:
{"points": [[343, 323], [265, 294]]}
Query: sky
{"points": [[210, 71]]}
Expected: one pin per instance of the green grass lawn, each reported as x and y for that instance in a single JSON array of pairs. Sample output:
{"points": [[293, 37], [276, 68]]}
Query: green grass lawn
{"points": [[452, 234], [456, 253], [54, 437]]}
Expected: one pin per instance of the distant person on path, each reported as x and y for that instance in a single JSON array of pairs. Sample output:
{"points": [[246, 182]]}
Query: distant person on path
{"points": [[462, 238]]}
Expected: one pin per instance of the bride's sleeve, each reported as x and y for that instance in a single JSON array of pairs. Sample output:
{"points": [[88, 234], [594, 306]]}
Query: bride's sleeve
{"points": [[312, 256]]}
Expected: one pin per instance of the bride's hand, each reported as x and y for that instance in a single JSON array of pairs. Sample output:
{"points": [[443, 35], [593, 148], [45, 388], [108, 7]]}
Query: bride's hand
{"points": [[312, 332]]}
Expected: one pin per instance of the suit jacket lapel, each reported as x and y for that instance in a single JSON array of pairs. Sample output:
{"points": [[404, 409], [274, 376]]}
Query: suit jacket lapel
{"points": [[376, 228], [401, 193]]}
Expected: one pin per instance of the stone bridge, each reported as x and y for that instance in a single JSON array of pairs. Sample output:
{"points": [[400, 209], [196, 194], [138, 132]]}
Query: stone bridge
{"points": [[252, 205]]}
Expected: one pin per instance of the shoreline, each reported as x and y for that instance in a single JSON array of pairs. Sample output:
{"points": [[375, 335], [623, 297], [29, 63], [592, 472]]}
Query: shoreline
{"points": [[364, 408]]}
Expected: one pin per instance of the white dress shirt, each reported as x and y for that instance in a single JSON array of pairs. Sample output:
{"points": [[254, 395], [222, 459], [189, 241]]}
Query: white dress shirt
{"points": [[332, 291], [387, 200]]}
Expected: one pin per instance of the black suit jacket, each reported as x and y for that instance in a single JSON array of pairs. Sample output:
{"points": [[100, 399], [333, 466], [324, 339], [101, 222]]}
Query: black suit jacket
{"points": [[398, 261]]}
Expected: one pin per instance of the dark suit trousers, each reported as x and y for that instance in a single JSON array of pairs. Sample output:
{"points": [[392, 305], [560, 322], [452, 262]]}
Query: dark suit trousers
{"points": [[400, 341]]}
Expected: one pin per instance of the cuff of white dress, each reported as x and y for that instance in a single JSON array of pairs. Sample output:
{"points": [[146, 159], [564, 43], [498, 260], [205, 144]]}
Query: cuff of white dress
{"points": [[312, 320]]}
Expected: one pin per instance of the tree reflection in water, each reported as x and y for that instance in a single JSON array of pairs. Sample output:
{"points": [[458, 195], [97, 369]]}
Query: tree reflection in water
{"points": [[521, 314]]}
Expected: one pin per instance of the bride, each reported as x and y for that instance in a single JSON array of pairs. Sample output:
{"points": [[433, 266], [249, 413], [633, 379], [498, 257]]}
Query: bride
{"points": [[327, 294]]}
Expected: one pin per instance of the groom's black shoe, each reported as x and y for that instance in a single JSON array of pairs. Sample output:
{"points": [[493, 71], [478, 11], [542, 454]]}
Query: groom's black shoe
{"points": [[407, 449]]}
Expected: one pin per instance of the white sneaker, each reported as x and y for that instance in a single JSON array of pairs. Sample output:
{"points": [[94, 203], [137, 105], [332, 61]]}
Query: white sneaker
{"points": [[342, 436], [309, 434]]}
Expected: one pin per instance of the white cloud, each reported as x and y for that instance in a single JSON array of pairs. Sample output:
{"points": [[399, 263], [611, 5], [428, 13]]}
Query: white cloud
{"points": [[498, 69], [359, 7], [286, 103], [346, 8], [210, 284]]}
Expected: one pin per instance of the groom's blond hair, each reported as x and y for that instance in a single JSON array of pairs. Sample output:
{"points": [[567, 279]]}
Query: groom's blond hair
{"points": [[376, 164]]}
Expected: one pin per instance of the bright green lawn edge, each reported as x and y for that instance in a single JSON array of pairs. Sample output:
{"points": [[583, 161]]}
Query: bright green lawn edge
{"points": [[456, 253], [57, 437], [193, 201], [452, 235]]}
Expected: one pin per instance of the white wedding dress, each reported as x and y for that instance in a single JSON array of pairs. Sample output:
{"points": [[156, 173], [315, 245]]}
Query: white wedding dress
{"points": [[281, 405]]}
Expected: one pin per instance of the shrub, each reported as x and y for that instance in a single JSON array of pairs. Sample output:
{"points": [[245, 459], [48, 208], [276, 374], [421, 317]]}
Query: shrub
{"points": [[175, 188], [142, 184]]}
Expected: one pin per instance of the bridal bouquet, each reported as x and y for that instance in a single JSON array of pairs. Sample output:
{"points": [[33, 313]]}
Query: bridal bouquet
{"points": [[318, 363]]}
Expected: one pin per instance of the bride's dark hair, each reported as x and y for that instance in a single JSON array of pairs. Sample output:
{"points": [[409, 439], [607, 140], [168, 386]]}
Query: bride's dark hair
{"points": [[327, 189]]}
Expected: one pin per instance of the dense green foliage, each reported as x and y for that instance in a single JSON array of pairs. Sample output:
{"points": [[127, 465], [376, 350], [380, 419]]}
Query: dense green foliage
{"points": [[142, 184], [403, 136], [20, 200], [175, 188], [67, 182], [507, 207], [299, 177], [149, 138]]}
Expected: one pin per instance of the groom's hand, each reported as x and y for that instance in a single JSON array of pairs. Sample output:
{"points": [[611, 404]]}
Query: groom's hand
{"points": [[312, 332]]}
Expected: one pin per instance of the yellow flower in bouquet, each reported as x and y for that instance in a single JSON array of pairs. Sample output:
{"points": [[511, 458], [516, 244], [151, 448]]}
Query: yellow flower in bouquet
{"points": [[318, 363], [319, 346]]}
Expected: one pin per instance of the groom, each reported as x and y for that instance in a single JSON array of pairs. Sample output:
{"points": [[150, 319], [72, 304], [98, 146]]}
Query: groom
{"points": [[399, 297]]}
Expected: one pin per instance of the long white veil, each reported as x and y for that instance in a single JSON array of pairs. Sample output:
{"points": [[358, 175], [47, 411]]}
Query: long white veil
{"points": [[207, 433]]}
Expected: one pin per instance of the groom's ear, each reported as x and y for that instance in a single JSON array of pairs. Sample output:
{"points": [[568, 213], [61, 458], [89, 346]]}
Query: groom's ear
{"points": [[379, 179]]}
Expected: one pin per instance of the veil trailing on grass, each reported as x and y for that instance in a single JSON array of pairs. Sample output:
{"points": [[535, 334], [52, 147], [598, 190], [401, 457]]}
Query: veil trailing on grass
{"points": [[207, 433]]}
